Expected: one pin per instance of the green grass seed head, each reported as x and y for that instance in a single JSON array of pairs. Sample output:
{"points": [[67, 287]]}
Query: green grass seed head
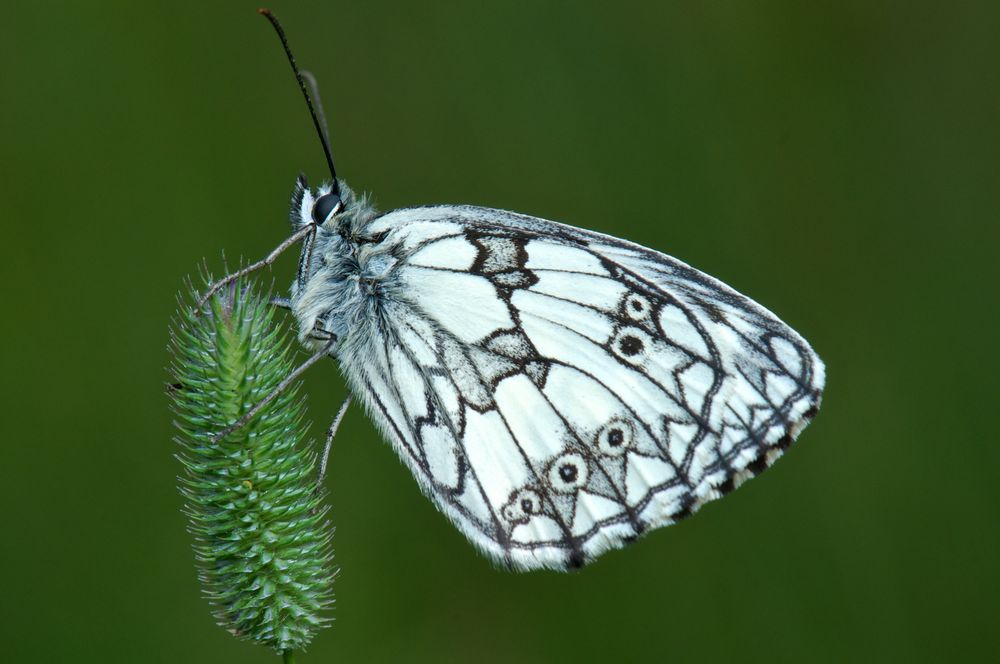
{"points": [[262, 540]]}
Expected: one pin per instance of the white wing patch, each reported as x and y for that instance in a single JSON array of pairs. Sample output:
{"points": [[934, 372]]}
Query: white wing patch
{"points": [[601, 293], [547, 255], [448, 294], [450, 253], [558, 393]]}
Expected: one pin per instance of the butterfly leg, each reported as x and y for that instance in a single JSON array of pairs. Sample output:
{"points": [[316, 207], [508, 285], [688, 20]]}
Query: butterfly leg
{"points": [[320, 333], [281, 303], [267, 260], [330, 433], [282, 386]]}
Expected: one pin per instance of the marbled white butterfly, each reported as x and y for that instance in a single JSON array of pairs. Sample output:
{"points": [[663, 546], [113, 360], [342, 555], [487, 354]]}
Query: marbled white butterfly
{"points": [[556, 392]]}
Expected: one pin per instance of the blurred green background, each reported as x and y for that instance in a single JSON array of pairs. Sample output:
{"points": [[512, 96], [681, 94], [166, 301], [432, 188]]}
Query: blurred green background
{"points": [[837, 161]]}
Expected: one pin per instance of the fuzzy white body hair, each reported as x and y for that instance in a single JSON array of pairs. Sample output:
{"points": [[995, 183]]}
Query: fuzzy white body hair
{"points": [[333, 292]]}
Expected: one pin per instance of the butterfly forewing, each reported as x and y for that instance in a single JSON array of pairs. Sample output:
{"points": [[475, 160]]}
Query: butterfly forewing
{"points": [[558, 392]]}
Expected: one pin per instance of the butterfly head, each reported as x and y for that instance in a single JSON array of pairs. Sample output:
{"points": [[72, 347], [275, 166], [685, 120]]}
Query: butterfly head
{"points": [[331, 206]]}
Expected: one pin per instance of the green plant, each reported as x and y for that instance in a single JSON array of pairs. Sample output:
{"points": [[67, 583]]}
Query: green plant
{"points": [[262, 540]]}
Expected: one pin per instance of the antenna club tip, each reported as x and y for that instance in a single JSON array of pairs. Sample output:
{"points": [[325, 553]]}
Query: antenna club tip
{"points": [[264, 11]]}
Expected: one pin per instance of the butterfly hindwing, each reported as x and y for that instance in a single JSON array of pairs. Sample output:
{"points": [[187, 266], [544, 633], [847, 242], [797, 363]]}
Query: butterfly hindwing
{"points": [[558, 392]]}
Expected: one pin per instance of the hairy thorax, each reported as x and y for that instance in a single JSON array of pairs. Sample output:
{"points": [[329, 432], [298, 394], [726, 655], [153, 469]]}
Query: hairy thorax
{"points": [[342, 280]]}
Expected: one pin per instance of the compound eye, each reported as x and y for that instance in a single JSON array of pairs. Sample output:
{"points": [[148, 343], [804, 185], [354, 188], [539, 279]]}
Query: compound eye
{"points": [[325, 205]]}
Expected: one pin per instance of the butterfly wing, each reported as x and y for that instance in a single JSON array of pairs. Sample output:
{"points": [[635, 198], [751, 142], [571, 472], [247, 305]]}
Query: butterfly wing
{"points": [[558, 392]]}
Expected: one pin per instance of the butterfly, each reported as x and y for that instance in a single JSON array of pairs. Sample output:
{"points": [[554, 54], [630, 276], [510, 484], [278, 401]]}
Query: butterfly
{"points": [[556, 392]]}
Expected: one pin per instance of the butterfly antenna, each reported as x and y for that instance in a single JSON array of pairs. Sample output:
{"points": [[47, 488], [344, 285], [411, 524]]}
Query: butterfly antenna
{"points": [[314, 91], [319, 123]]}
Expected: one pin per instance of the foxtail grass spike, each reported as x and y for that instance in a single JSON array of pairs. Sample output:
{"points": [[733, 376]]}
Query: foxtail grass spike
{"points": [[262, 539]]}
